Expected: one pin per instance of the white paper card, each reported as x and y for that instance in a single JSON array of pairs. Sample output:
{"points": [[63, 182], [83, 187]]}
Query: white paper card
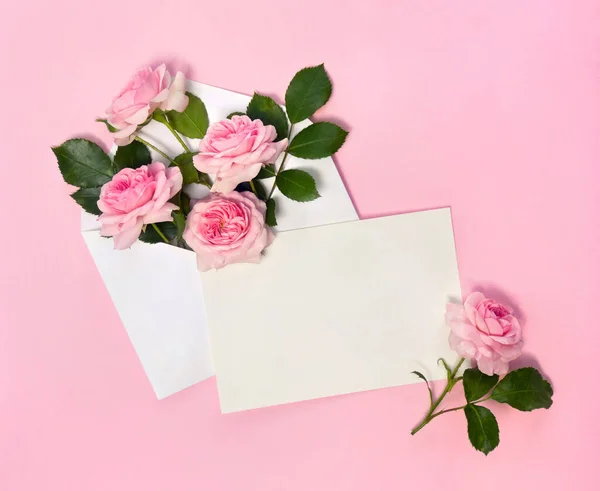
{"points": [[333, 310], [157, 290]]}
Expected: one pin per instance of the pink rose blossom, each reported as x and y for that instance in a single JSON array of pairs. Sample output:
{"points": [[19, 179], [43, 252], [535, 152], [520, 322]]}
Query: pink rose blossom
{"points": [[486, 331], [227, 228], [235, 150], [137, 197], [147, 90]]}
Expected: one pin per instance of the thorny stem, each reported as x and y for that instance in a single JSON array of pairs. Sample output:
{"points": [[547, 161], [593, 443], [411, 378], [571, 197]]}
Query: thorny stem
{"points": [[452, 380], [281, 167]]}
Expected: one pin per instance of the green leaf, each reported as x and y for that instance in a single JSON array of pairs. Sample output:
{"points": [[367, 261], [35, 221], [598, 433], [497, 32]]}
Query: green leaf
{"points": [[269, 112], [87, 198], [186, 166], [309, 90], [477, 384], [266, 172], [133, 156], [260, 189], [150, 236], [179, 221], [193, 122], [254, 187], [424, 378], [482, 428], [236, 113], [270, 218], [524, 389], [317, 141], [297, 185], [83, 163], [184, 202], [110, 127]]}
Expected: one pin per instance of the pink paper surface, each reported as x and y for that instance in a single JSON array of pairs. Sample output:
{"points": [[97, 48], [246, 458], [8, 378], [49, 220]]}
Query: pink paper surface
{"points": [[492, 108]]}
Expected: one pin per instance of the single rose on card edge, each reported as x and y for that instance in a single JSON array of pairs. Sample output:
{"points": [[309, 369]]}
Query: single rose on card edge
{"points": [[486, 331], [229, 228], [149, 89]]}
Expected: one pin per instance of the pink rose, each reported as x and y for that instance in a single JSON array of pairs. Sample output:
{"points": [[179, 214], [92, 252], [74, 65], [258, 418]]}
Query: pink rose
{"points": [[137, 197], [235, 150], [227, 228], [146, 91], [486, 331]]}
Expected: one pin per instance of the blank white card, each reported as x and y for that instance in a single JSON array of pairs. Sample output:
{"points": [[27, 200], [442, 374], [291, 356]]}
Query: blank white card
{"points": [[334, 309]]}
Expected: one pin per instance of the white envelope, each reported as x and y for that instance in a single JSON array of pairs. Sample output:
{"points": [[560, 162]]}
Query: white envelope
{"points": [[157, 289], [333, 310]]}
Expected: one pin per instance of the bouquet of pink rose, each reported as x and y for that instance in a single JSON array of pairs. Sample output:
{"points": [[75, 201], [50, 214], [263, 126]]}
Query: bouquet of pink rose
{"points": [[487, 332], [137, 198]]}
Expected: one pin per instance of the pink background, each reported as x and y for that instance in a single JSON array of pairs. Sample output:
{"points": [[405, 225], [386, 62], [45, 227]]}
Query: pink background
{"points": [[490, 107]]}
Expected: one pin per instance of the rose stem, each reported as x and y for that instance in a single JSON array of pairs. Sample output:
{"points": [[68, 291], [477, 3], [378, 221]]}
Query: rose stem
{"points": [[157, 150], [285, 155], [162, 236], [253, 187], [449, 386], [175, 134]]}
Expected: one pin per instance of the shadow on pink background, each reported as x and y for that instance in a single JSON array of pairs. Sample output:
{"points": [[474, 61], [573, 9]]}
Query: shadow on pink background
{"points": [[490, 107]]}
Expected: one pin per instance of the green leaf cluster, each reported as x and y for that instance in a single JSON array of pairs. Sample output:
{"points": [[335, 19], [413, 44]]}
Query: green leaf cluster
{"points": [[524, 389], [309, 90], [84, 164]]}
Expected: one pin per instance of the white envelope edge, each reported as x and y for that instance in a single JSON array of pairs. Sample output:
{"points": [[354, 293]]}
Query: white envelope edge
{"points": [[157, 289]]}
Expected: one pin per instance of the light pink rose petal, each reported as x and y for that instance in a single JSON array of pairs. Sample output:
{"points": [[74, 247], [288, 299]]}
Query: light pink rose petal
{"points": [[125, 132], [128, 236], [161, 98], [176, 100], [474, 299], [491, 367], [493, 326], [139, 117]]}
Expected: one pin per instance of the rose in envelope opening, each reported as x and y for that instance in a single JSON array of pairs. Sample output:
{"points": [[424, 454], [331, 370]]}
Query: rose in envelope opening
{"points": [[228, 228], [147, 90], [235, 151], [137, 197]]}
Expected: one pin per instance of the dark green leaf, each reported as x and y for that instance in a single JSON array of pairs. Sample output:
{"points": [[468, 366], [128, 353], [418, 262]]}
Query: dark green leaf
{"points": [[110, 127], [266, 172], [269, 112], [259, 189], [150, 235], [524, 389], [424, 378], [184, 203], [186, 166], [477, 384], [309, 90], [254, 187], [83, 163], [482, 428], [297, 185], [179, 221], [317, 141], [193, 122], [133, 156], [270, 219], [236, 113], [87, 198]]}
